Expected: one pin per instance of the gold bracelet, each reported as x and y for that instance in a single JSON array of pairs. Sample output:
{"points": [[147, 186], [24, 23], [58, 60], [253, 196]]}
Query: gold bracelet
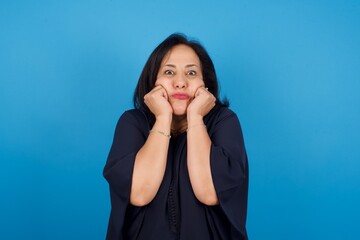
{"points": [[197, 125], [160, 132]]}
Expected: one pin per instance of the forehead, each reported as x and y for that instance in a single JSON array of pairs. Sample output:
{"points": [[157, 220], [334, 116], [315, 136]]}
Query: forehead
{"points": [[181, 54]]}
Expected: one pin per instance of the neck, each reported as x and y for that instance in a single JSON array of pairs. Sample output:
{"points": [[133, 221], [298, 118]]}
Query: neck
{"points": [[178, 124]]}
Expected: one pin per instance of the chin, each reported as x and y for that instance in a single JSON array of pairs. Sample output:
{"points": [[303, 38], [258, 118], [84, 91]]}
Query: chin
{"points": [[179, 107], [179, 111]]}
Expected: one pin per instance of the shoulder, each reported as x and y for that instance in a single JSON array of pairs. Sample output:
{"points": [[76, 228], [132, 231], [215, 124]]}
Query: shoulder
{"points": [[220, 114], [225, 112], [222, 118], [133, 113], [133, 117]]}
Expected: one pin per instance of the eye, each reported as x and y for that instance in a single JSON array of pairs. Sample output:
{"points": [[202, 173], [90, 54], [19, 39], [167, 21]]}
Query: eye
{"points": [[191, 73], [169, 72]]}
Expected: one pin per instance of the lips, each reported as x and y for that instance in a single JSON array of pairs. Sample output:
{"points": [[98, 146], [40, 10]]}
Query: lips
{"points": [[180, 96]]}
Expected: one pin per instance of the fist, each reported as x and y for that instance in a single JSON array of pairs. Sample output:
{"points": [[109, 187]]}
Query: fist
{"points": [[157, 101], [202, 103]]}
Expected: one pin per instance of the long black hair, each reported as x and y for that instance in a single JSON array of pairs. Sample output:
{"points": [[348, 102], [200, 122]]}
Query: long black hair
{"points": [[150, 71]]}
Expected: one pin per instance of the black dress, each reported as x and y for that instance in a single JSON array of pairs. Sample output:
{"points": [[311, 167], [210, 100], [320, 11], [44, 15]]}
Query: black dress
{"points": [[175, 212]]}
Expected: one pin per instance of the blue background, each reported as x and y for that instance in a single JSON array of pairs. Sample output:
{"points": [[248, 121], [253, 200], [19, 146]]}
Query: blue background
{"points": [[291, 70]]}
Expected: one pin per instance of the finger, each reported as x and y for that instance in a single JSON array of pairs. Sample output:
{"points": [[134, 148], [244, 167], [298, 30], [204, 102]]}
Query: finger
{"points": [[146, 97], [163, 90], [198, 91], [157, 87], [164, 93]]}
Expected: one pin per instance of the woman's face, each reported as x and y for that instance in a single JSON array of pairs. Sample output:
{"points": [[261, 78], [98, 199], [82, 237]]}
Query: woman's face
{"points": [[180, 74]]}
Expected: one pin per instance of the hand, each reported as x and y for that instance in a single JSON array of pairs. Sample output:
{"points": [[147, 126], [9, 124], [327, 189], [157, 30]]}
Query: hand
{"points": [[202, 103], [157, 101]]}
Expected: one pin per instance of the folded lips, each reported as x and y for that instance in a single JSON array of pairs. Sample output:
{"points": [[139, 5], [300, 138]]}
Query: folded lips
{"points": [[181, 96]]}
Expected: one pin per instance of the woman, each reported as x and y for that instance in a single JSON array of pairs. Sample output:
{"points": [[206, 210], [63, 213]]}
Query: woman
{"points": [[177, 168]]}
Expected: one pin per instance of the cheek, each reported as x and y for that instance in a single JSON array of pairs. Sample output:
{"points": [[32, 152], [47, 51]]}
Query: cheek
{"points": [[158, 81], [195, 85], [163, 82]]}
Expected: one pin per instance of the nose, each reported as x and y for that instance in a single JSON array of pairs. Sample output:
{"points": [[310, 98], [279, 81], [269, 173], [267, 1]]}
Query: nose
{"points": [[180, 81]]}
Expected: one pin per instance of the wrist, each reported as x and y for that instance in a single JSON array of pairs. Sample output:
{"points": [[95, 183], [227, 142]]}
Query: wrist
{"points": [[200, 125], [162, 126], [194, 119], [164, 118]]}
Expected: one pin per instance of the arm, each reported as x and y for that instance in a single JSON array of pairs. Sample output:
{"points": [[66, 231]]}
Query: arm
{"points": [[149, 167], [199, 145], [150, 161], [198, 161], [218, 167]]}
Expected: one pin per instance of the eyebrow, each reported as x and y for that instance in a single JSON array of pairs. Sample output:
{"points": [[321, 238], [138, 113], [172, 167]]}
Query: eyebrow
{"points": [[187, 66]]}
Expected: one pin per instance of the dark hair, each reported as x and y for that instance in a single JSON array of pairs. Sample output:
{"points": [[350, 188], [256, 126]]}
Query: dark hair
{"points": [[150, 71]]}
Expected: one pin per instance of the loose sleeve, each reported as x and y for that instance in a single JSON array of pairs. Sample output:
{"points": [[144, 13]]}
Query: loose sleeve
{"points": [[229, 168], [128, 139]]}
